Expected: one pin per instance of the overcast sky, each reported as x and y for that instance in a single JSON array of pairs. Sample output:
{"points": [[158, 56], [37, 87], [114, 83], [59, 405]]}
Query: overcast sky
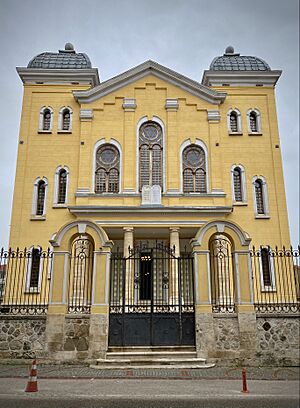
{"points": [[184, 35]]}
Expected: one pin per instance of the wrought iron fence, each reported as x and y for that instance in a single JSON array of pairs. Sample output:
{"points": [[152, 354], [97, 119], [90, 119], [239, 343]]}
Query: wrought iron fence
{"points": [[25, 280], [276, 279]]}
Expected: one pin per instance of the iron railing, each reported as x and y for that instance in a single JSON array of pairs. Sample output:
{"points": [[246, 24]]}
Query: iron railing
{"points": [[25, 281], [276, 279]]}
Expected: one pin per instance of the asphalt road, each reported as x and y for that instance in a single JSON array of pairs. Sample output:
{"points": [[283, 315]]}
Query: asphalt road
{"points": [[146, 393]]}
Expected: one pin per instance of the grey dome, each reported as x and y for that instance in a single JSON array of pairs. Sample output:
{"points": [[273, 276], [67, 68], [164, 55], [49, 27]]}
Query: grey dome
{"points": [[232, 61], [63, 59]]}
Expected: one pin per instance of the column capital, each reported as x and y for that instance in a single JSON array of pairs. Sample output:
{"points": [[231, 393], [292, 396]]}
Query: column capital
{"points": [[174, 229], [128, 229]]}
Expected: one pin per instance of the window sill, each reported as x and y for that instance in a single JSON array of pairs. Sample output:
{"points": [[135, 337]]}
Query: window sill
{"points": [[45, 131], [64, 131], [255, 134], [38, 218], [268, 289], [262, 216], [240, 203], [60, 206], [235, 133]]}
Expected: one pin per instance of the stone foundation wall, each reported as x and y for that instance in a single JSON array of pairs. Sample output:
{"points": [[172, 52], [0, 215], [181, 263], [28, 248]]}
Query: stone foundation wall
{"points": [[22, 337], [278, 341]]}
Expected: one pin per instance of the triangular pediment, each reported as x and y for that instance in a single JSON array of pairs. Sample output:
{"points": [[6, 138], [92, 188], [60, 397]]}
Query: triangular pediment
{"points": [[157, 70]]}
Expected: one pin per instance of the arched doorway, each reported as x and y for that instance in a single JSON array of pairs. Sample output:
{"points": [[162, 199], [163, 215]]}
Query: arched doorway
{"points": [[81, 273], [222, 273]]}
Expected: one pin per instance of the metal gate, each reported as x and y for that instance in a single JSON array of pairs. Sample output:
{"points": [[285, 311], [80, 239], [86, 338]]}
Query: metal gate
{"points": [[152, 298]]}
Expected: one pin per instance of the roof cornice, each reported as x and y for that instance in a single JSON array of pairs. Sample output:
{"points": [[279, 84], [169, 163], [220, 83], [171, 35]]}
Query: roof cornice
{"points": [[150, 68], [240, 78], [65, 76]]}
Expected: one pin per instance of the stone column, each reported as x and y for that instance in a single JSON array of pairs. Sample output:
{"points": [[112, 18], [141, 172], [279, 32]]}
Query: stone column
{"points": [[129, 277], [173, 276]]}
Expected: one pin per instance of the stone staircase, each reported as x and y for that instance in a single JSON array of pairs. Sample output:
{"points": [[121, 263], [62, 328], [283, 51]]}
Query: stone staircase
{"points": [[154, 357]]}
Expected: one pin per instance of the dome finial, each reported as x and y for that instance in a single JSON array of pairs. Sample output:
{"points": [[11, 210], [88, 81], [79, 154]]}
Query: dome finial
{"points": [[69, 47], [229, 50]]}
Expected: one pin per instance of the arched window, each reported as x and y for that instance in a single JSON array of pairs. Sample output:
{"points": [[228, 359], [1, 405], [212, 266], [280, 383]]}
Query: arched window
{"points": [[39, 198], [266, 266], [254, 123], [46, 119], [260, 196], [107, 169], [238, 183], [40, 201], [65, 119], [194, 170], [62, 186], [150, 155], [234, 121], [34, 269], [260, 208]]}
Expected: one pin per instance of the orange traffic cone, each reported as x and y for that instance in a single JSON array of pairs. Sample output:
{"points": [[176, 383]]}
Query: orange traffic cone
{"points": [[32, 379]]}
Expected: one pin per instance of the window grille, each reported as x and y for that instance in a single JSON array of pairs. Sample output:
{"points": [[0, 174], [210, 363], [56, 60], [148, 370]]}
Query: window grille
{"points": [[62, 187], [259, 197], [194, 171], [253, 122], [35, 268], [46, 119], [41, 191], [107, 169], [233, 121], [150, 155], [266, 267], [66, 119], [237, 184]]}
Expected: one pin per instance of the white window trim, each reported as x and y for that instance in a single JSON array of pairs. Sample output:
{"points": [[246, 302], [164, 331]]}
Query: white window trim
{"points": [[28, 288], [157, 120], [41, 119], [96, 147], [34, 198], [258, 121], [60, 120], [243, 186], [56, 184], [201, 144], [265, 197], [239, 122], [272, 287]]}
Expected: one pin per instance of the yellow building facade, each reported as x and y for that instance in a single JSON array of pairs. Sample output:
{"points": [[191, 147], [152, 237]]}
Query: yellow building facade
{"points": [[151, 190]]}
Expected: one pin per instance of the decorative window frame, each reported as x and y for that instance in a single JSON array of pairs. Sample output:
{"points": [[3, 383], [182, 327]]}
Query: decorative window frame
{"points": [[258, 122], [56, 185], [272, 287], [41, 120], [265, 197], [243, 186], [60, 120], [157, 120], [34, 216], [28, 288], [201, 144], [115, 143], [239, 122]]}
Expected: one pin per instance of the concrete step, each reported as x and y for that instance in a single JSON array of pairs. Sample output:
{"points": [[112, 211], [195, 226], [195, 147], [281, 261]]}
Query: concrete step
{"points": [[105, 366], [155, 361], [151, 355]]}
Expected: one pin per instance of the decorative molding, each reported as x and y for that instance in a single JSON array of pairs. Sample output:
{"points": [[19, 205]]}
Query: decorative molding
{"points": [[88, 76], [213, 116], [150, 68], [172, 105], [86, 114], [129, 104], [240, 78]]}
